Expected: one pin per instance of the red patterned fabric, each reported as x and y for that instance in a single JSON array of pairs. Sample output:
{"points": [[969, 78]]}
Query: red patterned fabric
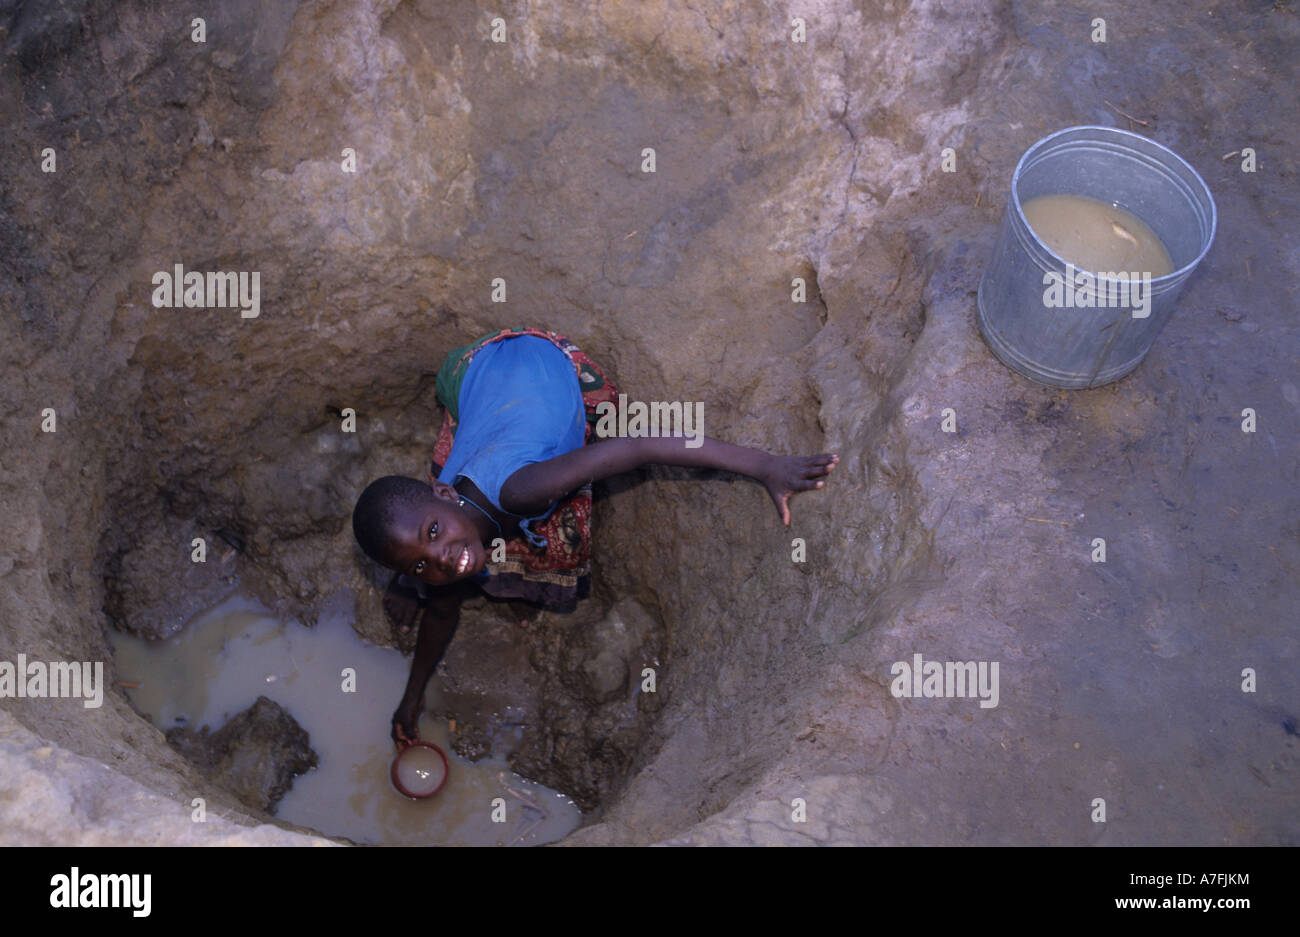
{"points": [[559, 575]]}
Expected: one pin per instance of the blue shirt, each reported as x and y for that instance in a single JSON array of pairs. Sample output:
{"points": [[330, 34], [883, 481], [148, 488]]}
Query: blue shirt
{"points": [[519, 403]]}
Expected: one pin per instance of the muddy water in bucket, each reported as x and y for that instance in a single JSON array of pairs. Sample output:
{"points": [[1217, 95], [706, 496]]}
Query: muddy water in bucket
{"points": [[1095, 236], [1050, 318], [227, 657]]}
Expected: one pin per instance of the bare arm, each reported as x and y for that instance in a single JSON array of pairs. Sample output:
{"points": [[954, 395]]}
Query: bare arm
{"points": [[437, 626], [535, 487]]}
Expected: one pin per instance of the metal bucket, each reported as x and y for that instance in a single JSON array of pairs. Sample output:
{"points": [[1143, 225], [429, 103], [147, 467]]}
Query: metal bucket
{"points": [[1081, 346]]}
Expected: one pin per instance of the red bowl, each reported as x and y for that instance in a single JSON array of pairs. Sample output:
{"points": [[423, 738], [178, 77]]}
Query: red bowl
{"points": [[392, 771]]}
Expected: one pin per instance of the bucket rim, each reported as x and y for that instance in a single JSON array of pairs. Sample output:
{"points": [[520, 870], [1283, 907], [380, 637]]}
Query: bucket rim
{"points": [[1038, 144]]}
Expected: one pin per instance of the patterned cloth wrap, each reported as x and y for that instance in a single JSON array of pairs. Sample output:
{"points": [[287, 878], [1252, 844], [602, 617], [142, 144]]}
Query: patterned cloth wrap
{"points": [[557, 576]]}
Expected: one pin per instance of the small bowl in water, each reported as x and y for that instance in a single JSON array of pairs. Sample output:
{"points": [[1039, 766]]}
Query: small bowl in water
{"points": [[419, 770]]}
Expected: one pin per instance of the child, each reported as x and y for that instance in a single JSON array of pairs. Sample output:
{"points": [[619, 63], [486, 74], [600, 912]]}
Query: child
{"points": [[520, 417]]}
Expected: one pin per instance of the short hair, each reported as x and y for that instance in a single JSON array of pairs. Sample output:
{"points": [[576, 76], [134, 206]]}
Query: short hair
{"points": [[383, 502]]}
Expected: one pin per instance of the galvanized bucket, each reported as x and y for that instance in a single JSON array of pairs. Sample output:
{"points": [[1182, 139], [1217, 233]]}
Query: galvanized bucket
{"points": [[1079, 346]]}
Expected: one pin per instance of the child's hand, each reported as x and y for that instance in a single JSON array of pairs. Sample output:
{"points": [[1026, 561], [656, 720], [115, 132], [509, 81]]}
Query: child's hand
{"points": [[406, 722], [788, 474]]}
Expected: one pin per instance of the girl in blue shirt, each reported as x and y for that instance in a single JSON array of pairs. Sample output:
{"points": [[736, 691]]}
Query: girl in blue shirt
{"points": [[518, 450]]}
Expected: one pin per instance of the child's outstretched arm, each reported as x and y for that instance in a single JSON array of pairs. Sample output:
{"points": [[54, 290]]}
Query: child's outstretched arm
{"points": [[535, 487], [437, 625]]}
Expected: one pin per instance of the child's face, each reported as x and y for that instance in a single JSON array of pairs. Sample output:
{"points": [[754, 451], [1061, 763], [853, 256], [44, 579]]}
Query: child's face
{"points": [[436, 542]]}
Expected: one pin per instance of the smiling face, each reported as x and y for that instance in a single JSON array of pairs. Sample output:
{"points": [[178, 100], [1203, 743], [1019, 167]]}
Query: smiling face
{"points": [[435, 541]]}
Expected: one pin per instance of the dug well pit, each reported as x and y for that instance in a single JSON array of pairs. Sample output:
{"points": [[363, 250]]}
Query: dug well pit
{"points": [[523, 160]]}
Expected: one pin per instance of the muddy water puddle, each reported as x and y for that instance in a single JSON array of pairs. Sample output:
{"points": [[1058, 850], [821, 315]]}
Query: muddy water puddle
{"points": [[226, 657]]}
